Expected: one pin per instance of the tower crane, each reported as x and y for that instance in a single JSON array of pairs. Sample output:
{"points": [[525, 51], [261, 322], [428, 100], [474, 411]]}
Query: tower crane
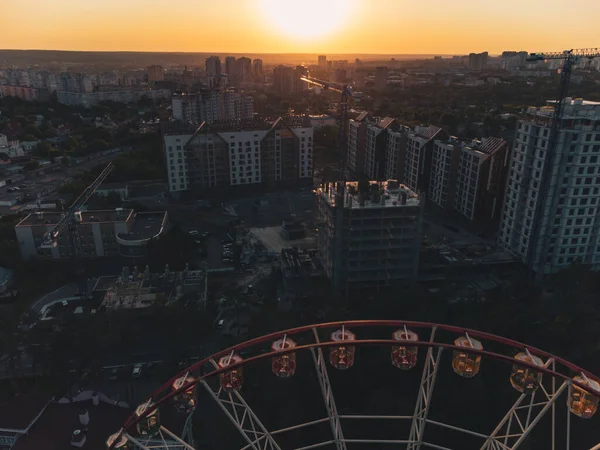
{"points": [[346, 94], [70, 221], [570, 58]]}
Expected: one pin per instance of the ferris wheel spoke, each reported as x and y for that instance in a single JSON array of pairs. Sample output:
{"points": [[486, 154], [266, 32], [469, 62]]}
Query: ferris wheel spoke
{"points": [[427, 385], [334, 418], [243, 418], [522, 417]]}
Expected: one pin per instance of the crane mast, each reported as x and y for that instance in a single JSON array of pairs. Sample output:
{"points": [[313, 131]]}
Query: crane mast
{"points": [[69, 222], [570, 58], [346, 94]]}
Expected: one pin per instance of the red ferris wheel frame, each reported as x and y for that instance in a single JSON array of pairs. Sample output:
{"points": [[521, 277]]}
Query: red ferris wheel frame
{"points": [[556, 367]]}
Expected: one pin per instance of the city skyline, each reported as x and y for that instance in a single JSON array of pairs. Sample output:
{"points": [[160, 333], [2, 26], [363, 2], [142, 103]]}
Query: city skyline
{"points": [[326, 26]]}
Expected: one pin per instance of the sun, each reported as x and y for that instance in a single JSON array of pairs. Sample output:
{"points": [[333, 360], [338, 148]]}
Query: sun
{"points": [[307, 19]]}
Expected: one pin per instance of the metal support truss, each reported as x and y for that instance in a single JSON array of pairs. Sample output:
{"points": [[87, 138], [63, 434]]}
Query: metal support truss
{"points": [[164, 440], [522, 417], [430, 370], [334, 418], [243, 418]]}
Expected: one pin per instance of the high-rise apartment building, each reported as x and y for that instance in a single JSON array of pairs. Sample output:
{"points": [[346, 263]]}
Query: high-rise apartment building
{"points": [[323, 61], [395, 152], [284, 79], [417, 157], [468, 177], [376, 140], [551, 210], [212, 105], [230, 70], [155, 73], [257, 68], [243, 70], [238, 152], [213, 66], [299, 85], [478, 61], [369, 236], [357, 131]]}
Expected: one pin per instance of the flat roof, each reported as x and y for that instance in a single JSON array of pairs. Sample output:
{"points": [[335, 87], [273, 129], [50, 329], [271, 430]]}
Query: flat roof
{"points": [[391, 194], [97, 216], [146, 225]]}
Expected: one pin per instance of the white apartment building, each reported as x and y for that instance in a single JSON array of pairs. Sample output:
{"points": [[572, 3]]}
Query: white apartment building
{"points": [[238, 152], [356, 141], [305, 161], [244, 155], [441, 171], [395, 152], [416, 157], [371, 151], [480, 170], [469, 176], [176, 161], [566, 226]]}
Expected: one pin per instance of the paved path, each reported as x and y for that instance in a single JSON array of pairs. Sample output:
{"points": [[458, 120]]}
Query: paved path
{"points": [[68, 291]]}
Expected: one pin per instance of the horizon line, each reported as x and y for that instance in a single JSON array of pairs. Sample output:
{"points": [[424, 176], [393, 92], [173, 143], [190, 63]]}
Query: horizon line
{"points": [[240, 53]]}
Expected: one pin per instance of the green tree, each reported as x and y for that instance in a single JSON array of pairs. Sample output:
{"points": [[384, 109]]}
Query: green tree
{"points": [[31, 165], [32, 130], [97, 145], [327, 136], [72, 144], [42, 149]]}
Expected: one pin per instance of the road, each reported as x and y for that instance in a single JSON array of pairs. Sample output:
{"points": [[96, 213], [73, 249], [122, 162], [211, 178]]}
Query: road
{"points": [[45, 182]]}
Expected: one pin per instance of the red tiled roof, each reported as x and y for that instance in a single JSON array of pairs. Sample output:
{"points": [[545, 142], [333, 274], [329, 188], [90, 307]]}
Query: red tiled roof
{"points": [[53, 430]]}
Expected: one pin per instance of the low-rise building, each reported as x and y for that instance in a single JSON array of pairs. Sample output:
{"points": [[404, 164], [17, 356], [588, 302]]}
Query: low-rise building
{"points": [[118, 232]]}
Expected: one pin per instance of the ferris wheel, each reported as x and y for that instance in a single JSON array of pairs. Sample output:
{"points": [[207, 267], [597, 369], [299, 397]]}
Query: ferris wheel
{"points": [[424, 386]]}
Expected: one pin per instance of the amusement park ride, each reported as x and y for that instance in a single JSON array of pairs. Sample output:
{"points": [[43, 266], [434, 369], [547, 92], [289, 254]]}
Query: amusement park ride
{"points": [[539, 379]]}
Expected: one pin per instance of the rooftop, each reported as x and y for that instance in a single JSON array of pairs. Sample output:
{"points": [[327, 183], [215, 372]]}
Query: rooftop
{"points": [[382, 194], [97, 216], [146, 225], [573, 108], [489, 146], [239, 125], [428, 132]]}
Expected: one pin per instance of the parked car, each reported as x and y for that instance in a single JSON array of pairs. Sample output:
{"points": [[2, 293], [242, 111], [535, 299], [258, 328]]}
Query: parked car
{"points": [[137, 371]]}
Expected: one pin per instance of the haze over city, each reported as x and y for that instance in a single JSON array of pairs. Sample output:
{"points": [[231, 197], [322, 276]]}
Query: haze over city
{"points": [[310, 26], [279, 224]]}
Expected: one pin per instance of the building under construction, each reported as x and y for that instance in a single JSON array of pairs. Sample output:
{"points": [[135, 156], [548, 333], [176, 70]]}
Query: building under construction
{"points": [[369, 234], [136, 289]]}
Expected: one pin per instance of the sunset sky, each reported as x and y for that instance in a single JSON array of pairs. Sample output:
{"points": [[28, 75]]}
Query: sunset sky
{"points": [[304, 26]]}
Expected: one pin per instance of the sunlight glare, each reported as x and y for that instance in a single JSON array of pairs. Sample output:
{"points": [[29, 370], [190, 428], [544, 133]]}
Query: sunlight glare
{"points": [[308, 19]]}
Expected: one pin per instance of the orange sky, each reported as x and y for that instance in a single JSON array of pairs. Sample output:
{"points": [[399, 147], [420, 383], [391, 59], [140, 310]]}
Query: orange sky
{"points": [[238, 26]]}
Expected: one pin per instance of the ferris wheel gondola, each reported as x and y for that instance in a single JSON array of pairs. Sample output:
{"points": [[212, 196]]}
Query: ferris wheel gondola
{"points": [[539, 378]]}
